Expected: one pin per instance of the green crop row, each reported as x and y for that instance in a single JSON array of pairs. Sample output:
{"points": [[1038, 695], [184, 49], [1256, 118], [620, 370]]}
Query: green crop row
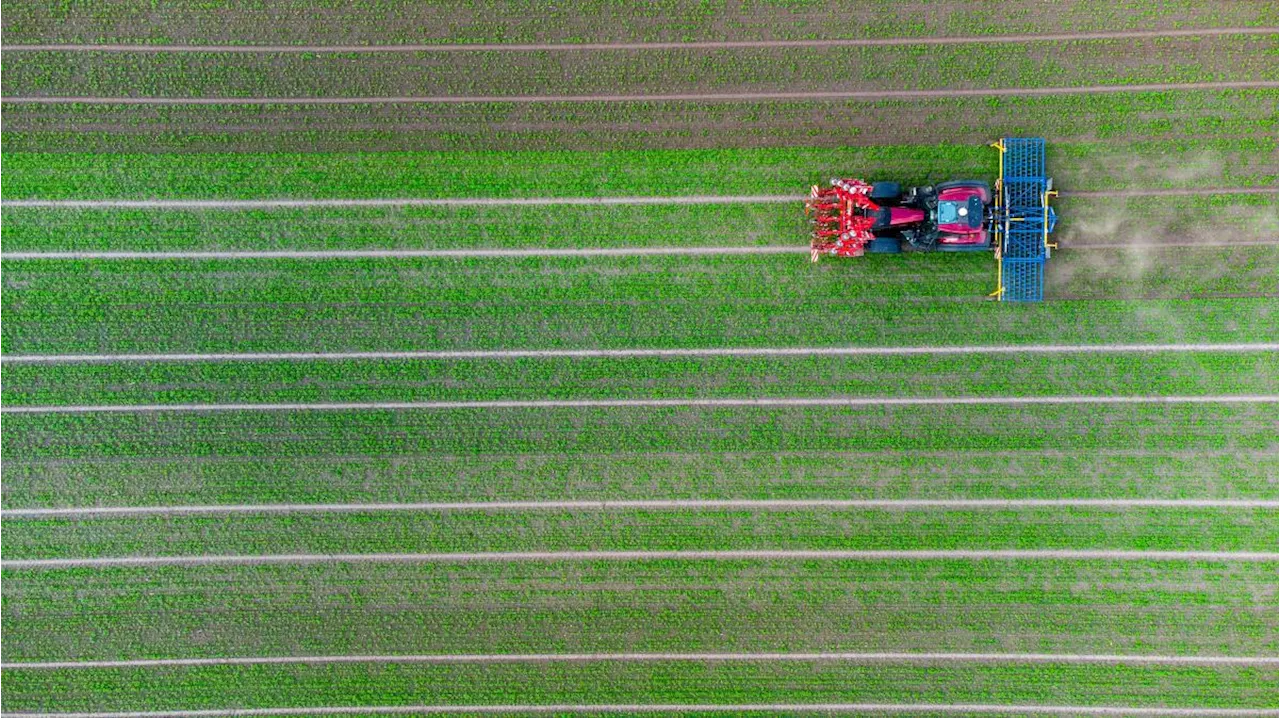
{"points": [[1151, 427], [1084, 220], [149, 306], [223, 687], [552, 226], [789, 171], [480, 174], [641, 378], [524, 21], [1222, 58], [1131, 529], [851, 472], [1209, 115], [991, 606]]}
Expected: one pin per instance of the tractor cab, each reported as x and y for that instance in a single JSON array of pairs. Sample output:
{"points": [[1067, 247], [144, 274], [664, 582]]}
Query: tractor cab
{"points": [[964, 216], [960, 215]]}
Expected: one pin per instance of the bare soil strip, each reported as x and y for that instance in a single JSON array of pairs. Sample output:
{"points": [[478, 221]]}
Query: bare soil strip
{"points": [[533, 201], [643, 504], [607, 46], [679, 97], [672, 708], [653, 657], [1165, 245], [392, 202], [1172, 192], [736, 555], [609, 403], [643, 353]]}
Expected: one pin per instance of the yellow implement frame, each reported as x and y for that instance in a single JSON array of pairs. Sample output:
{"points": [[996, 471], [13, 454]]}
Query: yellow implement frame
{"points": [[997, 228], [1045, 201]]}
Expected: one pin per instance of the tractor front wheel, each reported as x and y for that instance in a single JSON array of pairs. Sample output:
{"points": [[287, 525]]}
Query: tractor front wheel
{"points": [[884, 245], [886, 192]]}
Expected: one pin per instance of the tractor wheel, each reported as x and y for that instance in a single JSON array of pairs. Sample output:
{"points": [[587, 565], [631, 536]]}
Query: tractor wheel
{"points": [[886, 192], [885, 245]]}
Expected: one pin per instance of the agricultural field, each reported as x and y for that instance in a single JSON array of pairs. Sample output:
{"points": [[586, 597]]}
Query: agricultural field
{"points": [[466, 358]]}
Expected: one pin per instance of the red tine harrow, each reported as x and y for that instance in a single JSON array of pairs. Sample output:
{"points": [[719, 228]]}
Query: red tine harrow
{"points": [[842, 216]]}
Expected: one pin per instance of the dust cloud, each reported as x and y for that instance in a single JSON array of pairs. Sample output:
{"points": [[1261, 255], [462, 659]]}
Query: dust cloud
{"points": [[1124, 247]]}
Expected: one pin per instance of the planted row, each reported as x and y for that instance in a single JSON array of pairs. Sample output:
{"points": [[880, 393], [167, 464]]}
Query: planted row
{"points": [[1233, 162], [1154, 427]]}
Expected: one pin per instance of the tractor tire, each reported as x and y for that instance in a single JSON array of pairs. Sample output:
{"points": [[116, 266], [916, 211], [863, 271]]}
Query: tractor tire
{"points": [[884, 245], [886, 192]]}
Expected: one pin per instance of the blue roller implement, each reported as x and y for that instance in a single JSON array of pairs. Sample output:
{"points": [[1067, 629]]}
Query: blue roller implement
{"points": [[1023, 219]]}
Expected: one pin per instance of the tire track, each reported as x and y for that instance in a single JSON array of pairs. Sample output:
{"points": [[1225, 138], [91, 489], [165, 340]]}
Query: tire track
{"points": [[849, 657], [1166, 245], [642, 353], [672, 708], [691, 555], [621, 46], [674, 97], [395, 202], [643, 403], [642, 504], [1169, 192]]}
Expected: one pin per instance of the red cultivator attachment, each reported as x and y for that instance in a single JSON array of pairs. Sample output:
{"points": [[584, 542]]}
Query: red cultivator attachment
{"points": [[842, 217]]}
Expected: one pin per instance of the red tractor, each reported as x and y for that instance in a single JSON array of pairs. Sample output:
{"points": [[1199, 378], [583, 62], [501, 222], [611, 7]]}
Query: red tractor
{"points": [[852, 217], [1012, 218]]}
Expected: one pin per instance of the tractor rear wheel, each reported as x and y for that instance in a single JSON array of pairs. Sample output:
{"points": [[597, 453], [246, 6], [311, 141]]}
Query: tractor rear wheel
{"points": [[886, 192], [884, 245]]}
